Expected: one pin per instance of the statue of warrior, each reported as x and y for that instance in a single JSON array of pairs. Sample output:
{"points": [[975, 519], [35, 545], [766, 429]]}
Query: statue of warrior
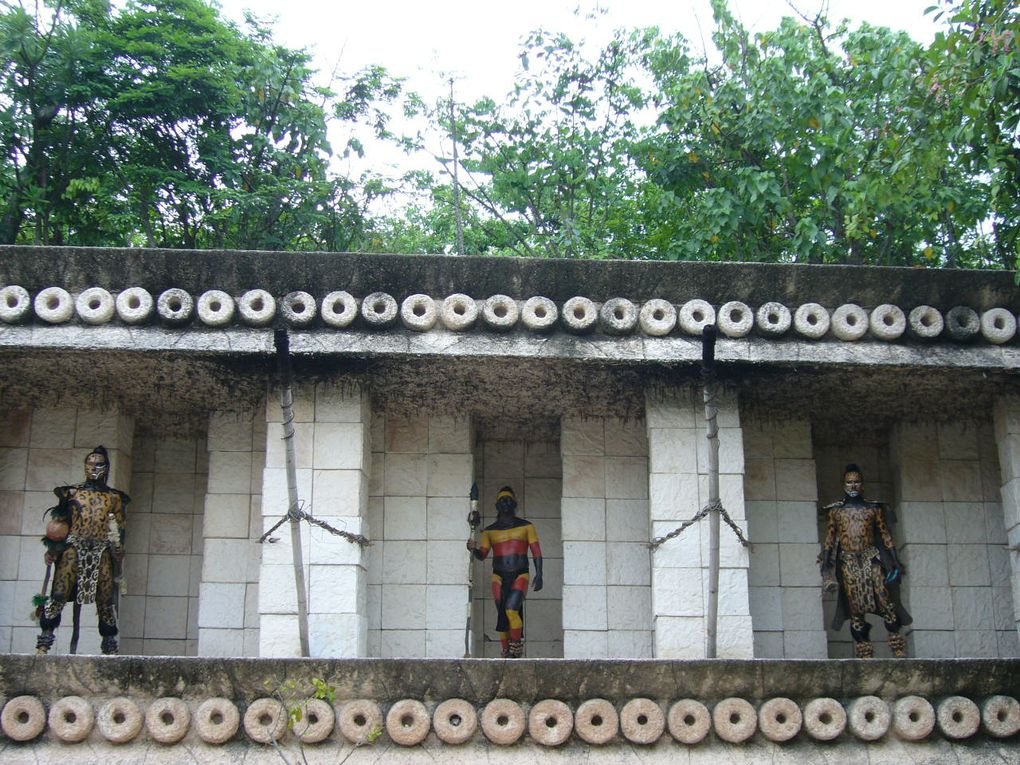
{"points": [[859, 560], [85, 544], [509, 540]]}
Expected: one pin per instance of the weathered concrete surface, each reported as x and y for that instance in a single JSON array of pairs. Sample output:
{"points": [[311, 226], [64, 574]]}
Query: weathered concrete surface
{"points": [[77, 268], [525, 681]]}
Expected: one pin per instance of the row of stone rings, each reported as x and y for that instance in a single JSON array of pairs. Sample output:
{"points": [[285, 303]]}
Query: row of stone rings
{"points": [[499, 313], [503, 721]]}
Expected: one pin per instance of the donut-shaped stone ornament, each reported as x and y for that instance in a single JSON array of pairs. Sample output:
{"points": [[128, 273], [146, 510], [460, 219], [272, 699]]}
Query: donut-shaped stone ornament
{"points": [[596, 721], [54, 305], [868, 718], [812, 321], [824, 719], [773, 319], [316, 721], [265, 721], [257, 308], [1001, 716], [459, 312], [298, 309], [925, 322], [503, 721], [408, 722], [135, 305], [550, 722], [15, 304], [539, 314], [618, 316], [215, 308], [962, 323], [998, 325], [500, 313], [379, 310], [579, 315], [95, 306], [175, 307], [119, 720], [360, 721], [217, 720], [642, 721], [71, 719], [689, 721], [657, 317], [455, 721], [887, 322], [850, 322], [913, 718], [735, 319], [780, 719], [167, 720], [734, 720], [338, 309], [695, 315], [418, 313], [23, 718], [958, 717]]}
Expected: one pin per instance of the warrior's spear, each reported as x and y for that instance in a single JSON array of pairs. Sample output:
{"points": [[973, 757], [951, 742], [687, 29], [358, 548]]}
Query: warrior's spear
{"points": [[474, 520]]}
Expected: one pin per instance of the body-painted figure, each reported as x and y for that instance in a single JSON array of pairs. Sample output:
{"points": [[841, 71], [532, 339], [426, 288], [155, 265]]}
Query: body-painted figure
{"points": [[509, 540], [859, 559], [85, 544]]}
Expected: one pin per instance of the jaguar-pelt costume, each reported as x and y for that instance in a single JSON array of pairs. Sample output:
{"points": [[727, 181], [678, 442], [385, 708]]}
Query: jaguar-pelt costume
{"points": [[859, 558], [87, 560]]}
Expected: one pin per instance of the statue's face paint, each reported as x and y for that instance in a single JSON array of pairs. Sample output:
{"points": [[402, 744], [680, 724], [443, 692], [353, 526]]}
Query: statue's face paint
{"points": [[96, 467], [852, 483]]}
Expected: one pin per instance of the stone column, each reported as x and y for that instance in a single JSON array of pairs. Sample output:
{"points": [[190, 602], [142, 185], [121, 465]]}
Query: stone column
{"points": [[232, 523], [333, 457], [678, 489], [1007, 438]]}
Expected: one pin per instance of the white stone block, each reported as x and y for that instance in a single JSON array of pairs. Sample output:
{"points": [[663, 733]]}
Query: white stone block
{"points": [[762, 521], [673, 450], [405, 518], [1011, 503], [377, 475], [731, 494], [670, 408], [674, 496], [806, 644], [734, 638], [919, 481], [584, 563], [228, 432], [582, 436], [229, 472], [542, 459], [797, 522], [630, 644], [733, 592], [764, 565], [728, 415], [53, 428], [958, 440], [303, 394], [731, 451], [449, 435], [1009, 643], [166, 617], [221, 606], [279, 636], [449, 475], [404, 563], [7, 601], [406, 475], [108, 428], [802, 609], [961, 481], [336, 590], [446, 607], [10, 557], [339, 492], [543, 619], [584, 476], [447, 518], [585, 644], [968, 566], [173, 534], [629, 608], [626, 438], [769, 645], [792, 439], [1002, 608], [679, 637], [447, 562], [798, 565], [15, 428], [12, 512], [683, 551], [627, 477], [304, 445], [176, 455], [583, 519], [795, 480], [965, 522], [175, 493], [407, 435], [340, 402], [972, 608], [931, 607], [627, 520], [403, 644], [976, 644], [995, 523], [48, 468], [922, 522], [766, 607], [541, 497], [445, 644], [628, 564], [326, 548], [339, 446], [759, 478], [225, 560], [926, 564], [915, 442], [584, 607], [731, 553], [226, 515], [169, 575], [503, 459], [277, 592], [404, 606], [678, 592], [220, 643]]}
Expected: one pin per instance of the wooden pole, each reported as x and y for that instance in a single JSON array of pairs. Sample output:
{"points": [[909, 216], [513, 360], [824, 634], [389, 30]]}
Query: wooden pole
{"points": [[712, 434]]}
